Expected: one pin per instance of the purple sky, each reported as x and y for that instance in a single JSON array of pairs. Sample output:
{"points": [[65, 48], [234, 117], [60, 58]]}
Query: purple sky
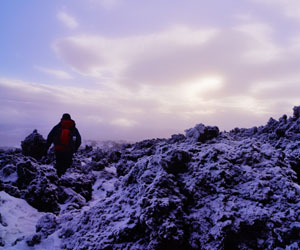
{"points": [[135, 69]]}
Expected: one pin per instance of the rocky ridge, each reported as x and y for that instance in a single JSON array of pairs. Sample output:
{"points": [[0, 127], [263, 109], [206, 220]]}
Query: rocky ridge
{"points": [[203, 190]]}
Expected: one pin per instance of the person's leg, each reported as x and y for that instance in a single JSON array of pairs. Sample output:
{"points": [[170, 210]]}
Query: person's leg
{"points": [[63, 162], [68, 160], [60, 162]]}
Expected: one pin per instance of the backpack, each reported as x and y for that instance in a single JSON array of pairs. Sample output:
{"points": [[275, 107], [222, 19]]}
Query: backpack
{"points": [[65, 136]]}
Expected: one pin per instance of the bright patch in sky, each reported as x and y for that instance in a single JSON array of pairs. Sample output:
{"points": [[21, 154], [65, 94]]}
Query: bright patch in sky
{"points": [[69, 21], [55, 72], [197, 88], [134, 70]]}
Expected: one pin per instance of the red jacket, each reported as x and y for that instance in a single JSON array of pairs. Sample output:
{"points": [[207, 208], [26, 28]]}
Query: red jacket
{"points": [[65, 136]]}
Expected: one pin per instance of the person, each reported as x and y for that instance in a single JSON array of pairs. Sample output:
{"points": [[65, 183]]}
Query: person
{"points": [[66, 139]]}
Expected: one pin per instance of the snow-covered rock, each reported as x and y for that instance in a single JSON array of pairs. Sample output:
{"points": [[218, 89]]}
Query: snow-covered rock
{"points": [[296, 112], [203, 190], [17, 220], [39, 185], [34, 145], [202, 133]]}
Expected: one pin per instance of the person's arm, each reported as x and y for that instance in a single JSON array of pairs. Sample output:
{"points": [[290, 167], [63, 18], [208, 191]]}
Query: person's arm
{"points": [[50, 138], [78, 139]]}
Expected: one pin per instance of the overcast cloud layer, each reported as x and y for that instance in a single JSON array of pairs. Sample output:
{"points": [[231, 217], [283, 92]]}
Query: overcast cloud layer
{"points": [[135, 70]]}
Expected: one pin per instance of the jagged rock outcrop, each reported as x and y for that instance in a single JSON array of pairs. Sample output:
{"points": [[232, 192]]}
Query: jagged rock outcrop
{"points": [[45, 226], [202, 133], [81, 184], [296, 113], [203, 190], [230, 195], [34, 145], [24, 177]]}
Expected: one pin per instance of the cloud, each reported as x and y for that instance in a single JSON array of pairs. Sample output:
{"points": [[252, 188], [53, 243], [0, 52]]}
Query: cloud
{"points": [[290, 9], [123, 122], [226, 68], [175, 56], [187, 71], [283, 90], [107, 4], [153, 85], [265, 50], [69, 21], [54, 72], [99, 56], [102, 114], [120, 113]]}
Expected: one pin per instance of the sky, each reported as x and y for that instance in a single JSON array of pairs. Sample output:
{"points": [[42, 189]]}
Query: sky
{"points": [[133, 70]]}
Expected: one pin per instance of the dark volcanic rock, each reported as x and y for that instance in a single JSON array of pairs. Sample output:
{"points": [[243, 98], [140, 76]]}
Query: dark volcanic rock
{"points": [[24, 177], [80, 183], [206, 190], [176, 138], [233, 193], [42, 194], [124, 166], [46, 225], [99, 160], [34, 145], [202, 133], [2, 242], [27, 171], [34, 239], [296, 110], [39, 185], [175, 161], [244, 132]]}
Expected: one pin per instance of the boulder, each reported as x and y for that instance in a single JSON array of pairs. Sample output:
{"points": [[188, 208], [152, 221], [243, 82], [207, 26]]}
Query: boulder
{"points": [[296, 110], [46, 225], [42, 195], [80, 183], [202, 133], [34, 145]]}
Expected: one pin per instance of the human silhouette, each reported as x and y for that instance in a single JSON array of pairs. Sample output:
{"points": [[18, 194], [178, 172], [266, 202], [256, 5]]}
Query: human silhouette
{"points": [[66, 139]]}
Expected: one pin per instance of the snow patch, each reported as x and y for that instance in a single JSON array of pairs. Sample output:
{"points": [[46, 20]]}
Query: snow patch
{"points": [[18, 219]]}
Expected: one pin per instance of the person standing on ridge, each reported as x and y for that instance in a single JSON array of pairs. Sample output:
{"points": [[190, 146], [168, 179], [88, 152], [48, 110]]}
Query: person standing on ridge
{"points": [[66, 139]]}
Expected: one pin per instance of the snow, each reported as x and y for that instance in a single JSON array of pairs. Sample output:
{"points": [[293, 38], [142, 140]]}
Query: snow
{"points": [[13, 177], [206, 190], [51, 243], [18, 219]]}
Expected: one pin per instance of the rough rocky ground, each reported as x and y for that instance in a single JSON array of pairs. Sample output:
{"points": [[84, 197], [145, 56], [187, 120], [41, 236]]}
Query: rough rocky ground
{"points": [[203, 190]]}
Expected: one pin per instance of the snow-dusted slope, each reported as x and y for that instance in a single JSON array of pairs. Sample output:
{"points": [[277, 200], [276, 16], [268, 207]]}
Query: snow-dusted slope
{"points": [[18, 219], [203, 190]]}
